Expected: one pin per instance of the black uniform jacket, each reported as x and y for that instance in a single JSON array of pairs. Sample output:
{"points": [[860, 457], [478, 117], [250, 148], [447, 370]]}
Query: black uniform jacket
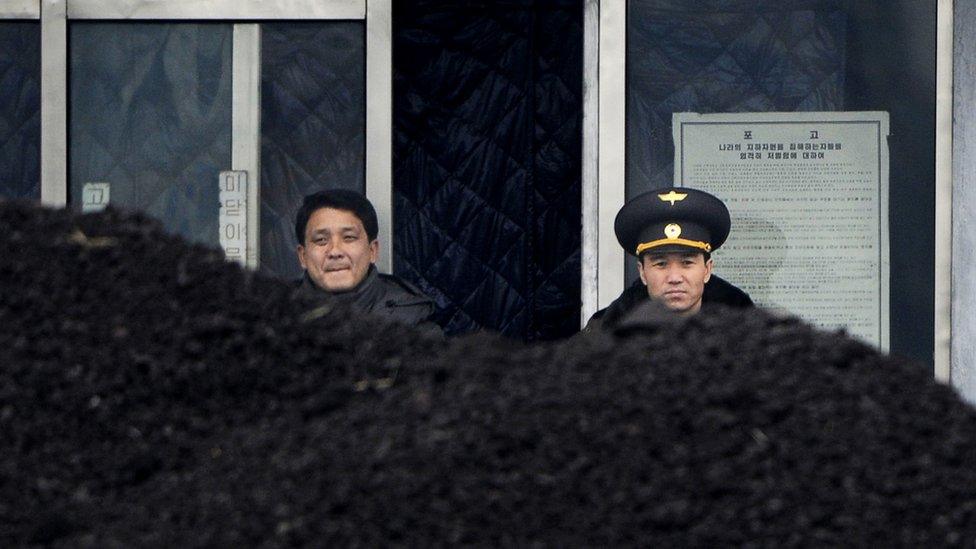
{"points": [[717, 292], [381, 294]]}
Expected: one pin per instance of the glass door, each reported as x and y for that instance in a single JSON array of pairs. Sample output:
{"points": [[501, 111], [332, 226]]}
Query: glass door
{"points": [[161, 98], [658, 57]]}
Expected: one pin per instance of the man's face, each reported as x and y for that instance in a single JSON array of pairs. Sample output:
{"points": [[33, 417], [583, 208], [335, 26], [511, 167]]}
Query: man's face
{"points": [[337, 252], [676, 279]]}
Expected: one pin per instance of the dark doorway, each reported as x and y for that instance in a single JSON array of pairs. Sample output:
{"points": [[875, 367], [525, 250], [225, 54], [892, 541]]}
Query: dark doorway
{"points": [[487, 145]]}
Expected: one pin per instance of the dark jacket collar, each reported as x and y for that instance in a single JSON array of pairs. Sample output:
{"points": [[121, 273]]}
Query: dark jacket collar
{"points": [[716, 292], [364, 295]]}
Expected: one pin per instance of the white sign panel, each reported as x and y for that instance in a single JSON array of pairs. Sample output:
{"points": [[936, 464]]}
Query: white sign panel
{"points": [[233, 215], [95, 197], [808, 194]]}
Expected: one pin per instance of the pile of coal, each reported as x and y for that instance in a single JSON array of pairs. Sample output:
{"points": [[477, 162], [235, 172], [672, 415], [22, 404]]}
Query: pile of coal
{"points": [[123, 348], [152, 394]]}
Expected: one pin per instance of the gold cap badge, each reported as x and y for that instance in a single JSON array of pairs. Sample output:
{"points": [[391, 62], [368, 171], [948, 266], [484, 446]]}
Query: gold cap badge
{"points": [[673, 230], [672, 197]]}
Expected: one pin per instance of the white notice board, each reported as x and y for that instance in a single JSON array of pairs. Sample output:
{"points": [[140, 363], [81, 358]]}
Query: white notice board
{"points": [[808, 194]]}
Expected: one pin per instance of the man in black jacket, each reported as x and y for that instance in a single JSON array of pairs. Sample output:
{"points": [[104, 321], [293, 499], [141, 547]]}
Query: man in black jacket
{"points": [[673, 232], [337, 247]]}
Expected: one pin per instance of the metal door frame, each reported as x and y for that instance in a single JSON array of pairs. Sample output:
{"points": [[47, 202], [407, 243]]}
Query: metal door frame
{"points": [[246, 146], [20, 9]]}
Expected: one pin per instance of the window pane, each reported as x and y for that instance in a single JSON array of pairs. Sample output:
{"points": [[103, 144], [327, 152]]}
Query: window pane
{"points": [[313, 125], [20, 109], [150, 114]]}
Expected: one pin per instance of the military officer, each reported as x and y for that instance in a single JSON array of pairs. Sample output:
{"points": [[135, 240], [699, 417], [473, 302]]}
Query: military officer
{"points": [[672, 232]]}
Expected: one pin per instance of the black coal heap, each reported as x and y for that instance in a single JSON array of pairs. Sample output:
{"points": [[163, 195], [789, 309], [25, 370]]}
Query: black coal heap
{"points": [[152, 394]]}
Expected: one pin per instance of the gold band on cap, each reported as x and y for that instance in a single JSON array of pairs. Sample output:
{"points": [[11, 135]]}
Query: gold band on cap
{"points": [[705, 246]]}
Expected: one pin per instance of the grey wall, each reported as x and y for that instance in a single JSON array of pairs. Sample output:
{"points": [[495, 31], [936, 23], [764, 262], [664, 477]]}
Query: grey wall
{"points": [[964, 200]]}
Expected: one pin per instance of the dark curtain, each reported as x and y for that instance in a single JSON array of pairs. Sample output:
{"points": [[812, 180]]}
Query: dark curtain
{"points": [[487, 147], [20, 109], [150, 113], [313, 116], [724, 56]]}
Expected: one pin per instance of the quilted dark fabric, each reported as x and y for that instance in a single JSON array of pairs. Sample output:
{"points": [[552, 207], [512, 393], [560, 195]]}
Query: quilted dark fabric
{"points": [[487, 146], [20, 109], [724, 56], [313, 81], [150, 113]]}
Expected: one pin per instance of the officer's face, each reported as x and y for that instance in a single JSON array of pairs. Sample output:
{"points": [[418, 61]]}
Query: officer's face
{"points": [[337, 252], [676, 279]]}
